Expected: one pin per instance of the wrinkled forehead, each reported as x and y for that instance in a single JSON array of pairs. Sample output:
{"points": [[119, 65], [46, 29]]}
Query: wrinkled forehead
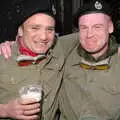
{"points": [[93, 18]]}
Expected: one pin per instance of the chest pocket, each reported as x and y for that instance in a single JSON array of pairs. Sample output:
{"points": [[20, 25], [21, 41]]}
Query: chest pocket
{"points": [[107, 82], [15, 77]]}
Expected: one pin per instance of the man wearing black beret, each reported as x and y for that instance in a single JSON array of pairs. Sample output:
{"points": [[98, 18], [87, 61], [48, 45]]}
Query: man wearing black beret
{"points": [[37, 58], [91, 85]]}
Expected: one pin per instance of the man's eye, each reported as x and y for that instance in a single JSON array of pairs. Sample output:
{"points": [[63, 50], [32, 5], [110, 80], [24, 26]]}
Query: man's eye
{"points": [[98, 27], [51, 29], [35, 28], [83, 28]]}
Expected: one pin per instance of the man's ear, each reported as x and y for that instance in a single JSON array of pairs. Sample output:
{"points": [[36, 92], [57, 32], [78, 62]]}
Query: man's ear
{"points": [[111, 27], [20, 31]]}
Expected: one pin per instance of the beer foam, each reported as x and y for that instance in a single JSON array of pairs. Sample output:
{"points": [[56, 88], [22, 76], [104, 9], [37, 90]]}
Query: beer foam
{"points": [[33, 95]]}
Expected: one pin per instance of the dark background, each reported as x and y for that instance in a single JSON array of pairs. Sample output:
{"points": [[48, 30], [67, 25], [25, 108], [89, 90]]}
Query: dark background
{"points": [[65, 11]]}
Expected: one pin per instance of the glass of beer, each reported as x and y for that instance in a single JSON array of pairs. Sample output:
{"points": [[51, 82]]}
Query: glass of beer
{"points": [[31, 91]]}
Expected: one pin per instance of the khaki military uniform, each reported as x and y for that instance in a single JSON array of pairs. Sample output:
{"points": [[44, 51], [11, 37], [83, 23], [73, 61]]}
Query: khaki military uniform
{"points": [[89, 94], [48, 73]]}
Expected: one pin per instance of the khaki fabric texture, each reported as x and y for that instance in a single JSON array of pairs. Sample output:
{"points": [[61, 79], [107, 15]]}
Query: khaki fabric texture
{"points": [[89, 94], [47, 73]]}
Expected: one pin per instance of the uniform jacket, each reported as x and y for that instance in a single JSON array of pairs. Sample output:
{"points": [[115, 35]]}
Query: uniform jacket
{"points": [[48, 73], [89, 94]]}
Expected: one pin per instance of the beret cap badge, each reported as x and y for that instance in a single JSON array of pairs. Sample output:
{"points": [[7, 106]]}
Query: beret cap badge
{"points": [[98, 5]]}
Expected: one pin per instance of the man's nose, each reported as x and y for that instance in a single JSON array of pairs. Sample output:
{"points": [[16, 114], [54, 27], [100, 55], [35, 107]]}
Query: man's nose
{"points": [[90, 32], [43, 35]]}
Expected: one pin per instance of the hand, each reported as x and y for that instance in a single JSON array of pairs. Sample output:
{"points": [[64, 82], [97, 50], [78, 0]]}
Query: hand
{"points": [[22, 109], [5, 49]]}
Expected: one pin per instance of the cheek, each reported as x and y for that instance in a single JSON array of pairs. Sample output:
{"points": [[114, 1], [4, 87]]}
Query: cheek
{"points": [[82, 34], [28, 36], [29, 39], [102, 33], [33, 37], [51, 37], [28, 42], [50, 42], [103, 41], [103, 37], [82, 38]]}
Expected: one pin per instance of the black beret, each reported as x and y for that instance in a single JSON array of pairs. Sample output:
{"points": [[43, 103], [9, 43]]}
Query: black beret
{"points": [[18, 12], [23, 9], [92, 6]]}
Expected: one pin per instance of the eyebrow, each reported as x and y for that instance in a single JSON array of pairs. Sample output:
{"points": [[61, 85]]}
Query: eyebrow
{"points": [[83, 25], [100, 24], [36, 25]]}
